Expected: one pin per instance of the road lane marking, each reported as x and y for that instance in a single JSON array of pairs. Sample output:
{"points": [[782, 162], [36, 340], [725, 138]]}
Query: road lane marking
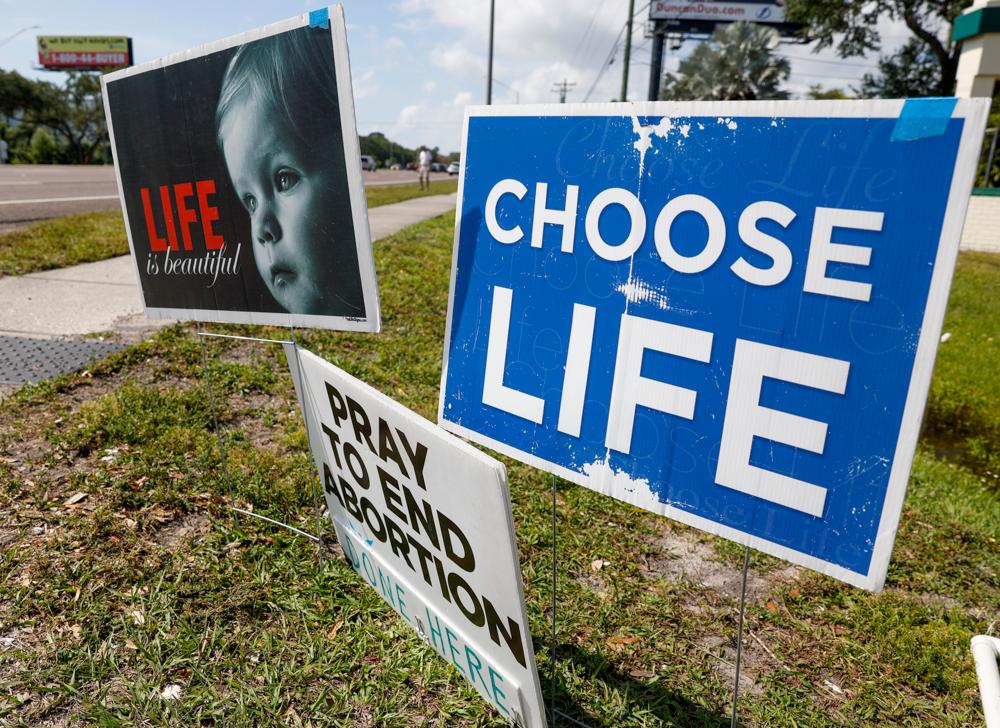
{"points": [[43, 200]]}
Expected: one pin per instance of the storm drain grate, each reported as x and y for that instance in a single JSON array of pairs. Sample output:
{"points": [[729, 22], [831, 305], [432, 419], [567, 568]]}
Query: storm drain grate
{"points": [[24, 359]]}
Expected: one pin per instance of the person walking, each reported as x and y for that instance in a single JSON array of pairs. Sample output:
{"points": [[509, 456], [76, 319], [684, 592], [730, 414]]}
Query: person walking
{"points": [[424, 168]]}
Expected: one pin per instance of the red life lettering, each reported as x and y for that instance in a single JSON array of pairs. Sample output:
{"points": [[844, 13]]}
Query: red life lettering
{"points": [[186, 215], [156, 243], [168, 216], [209, 213]]}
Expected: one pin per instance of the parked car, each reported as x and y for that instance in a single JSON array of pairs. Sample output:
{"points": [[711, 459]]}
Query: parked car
{"points": [[437, 167], [368, 163], [395, 166], [411, 165], [453, 168]]}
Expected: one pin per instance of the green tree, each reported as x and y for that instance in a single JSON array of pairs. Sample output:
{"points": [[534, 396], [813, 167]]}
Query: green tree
{"points": [[17, 94], [735, 63], [852, 27], [817, 92], [384, 150], [74, 114], [43, 148], [911, 71], [990, 177]]}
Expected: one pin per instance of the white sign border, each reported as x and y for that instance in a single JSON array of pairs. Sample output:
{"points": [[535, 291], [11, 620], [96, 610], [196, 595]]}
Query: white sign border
{"points": [[499, 470], [973, 111], [372, 322]]}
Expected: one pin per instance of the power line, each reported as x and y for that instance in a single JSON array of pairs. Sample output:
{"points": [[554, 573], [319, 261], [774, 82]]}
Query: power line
{"points": [[604, 66], [590, 25], [611, 54], [868, 66]]}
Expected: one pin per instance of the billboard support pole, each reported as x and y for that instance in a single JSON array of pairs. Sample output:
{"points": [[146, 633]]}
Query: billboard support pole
{"points": [[656, 61], [628, 50], [739, 635], [489, 61]]}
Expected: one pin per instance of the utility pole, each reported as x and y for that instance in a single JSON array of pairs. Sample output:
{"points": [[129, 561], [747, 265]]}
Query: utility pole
{"points": [[628, 50], [562, 88], [489, 63]]}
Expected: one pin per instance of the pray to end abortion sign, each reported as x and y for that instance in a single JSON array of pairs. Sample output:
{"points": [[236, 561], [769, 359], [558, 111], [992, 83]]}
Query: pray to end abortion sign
{"points": [[425, 520], [726, 313]]}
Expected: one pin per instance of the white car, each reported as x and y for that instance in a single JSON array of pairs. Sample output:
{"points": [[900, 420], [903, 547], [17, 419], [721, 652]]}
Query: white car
{"points": [[367, 163], [453, 168]]}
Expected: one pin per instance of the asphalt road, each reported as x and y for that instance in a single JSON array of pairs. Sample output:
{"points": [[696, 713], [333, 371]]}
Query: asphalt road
{"points": [[39, 192]]}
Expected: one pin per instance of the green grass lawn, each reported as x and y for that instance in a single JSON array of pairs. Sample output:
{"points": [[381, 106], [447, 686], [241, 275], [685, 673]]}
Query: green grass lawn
{"points": [[125, 578], [91, 236], [963, 411]]}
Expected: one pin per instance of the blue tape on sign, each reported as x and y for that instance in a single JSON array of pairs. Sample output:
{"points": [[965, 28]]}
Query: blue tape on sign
{"points": [[319, 18], [922, 118]]}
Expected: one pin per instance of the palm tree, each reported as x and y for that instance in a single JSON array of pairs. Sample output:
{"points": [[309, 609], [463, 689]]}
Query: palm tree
{"points": [[735, 63]]}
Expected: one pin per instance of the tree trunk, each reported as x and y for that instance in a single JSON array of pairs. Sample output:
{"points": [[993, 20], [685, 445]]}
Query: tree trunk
{"points": [[949, 70]]}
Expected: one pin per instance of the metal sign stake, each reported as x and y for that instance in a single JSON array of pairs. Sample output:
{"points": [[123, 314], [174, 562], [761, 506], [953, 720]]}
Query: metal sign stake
{"points": [[215, 424], [312, 480], [739, 635], [222, 445], [552, 649]]}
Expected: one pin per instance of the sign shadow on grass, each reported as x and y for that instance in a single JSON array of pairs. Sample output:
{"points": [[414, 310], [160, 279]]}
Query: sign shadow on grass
{"points": [[656, 699]]}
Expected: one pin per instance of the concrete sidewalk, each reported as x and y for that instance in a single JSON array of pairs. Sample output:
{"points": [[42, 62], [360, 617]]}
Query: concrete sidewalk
{"points": [[104, 296]]}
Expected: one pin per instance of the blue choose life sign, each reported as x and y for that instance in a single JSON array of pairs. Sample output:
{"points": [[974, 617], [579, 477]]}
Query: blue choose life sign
{"points": [[723, 312]]}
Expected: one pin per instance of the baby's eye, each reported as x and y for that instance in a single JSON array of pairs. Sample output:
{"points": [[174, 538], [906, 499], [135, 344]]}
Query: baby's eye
{"points": [[286, 179], [249, 202]]}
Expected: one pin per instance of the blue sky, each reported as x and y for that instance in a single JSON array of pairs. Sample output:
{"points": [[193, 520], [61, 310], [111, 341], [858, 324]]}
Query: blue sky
{"points": [[416, 63]]}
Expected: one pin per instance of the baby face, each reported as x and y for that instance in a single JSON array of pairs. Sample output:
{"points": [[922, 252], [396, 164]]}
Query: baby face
{"points": [[289, 194]]}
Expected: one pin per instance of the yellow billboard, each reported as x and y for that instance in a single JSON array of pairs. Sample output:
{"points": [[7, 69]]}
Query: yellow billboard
{"points": [[84, 52]]}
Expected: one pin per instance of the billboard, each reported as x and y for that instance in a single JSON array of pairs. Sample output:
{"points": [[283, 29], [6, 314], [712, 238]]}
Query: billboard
{"points": [[84, 52], [717, 10], [679, 16], [425, 521], [723, 312], [238, 172]]}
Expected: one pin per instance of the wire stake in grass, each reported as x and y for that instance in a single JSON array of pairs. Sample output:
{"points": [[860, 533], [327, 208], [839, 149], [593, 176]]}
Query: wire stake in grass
{"points": [[314, 476], [215, 425], [552, 650], [273, 522], [739, 635]]}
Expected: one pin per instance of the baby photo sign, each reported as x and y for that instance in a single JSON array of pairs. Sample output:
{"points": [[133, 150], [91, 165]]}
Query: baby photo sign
{"points": [[238, 167]]}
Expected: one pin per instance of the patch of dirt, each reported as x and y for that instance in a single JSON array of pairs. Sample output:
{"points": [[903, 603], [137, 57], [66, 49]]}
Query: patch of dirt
{"points": [[688, 557], [250, 421], [175, 533], [753, 662], [595, 584]]}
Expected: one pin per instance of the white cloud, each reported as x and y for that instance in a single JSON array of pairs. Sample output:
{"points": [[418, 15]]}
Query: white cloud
{"points": [[393, 43], [365, 85], [428, 123], [531, 39], [538, 44], [409, 114], [459, 59]]}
